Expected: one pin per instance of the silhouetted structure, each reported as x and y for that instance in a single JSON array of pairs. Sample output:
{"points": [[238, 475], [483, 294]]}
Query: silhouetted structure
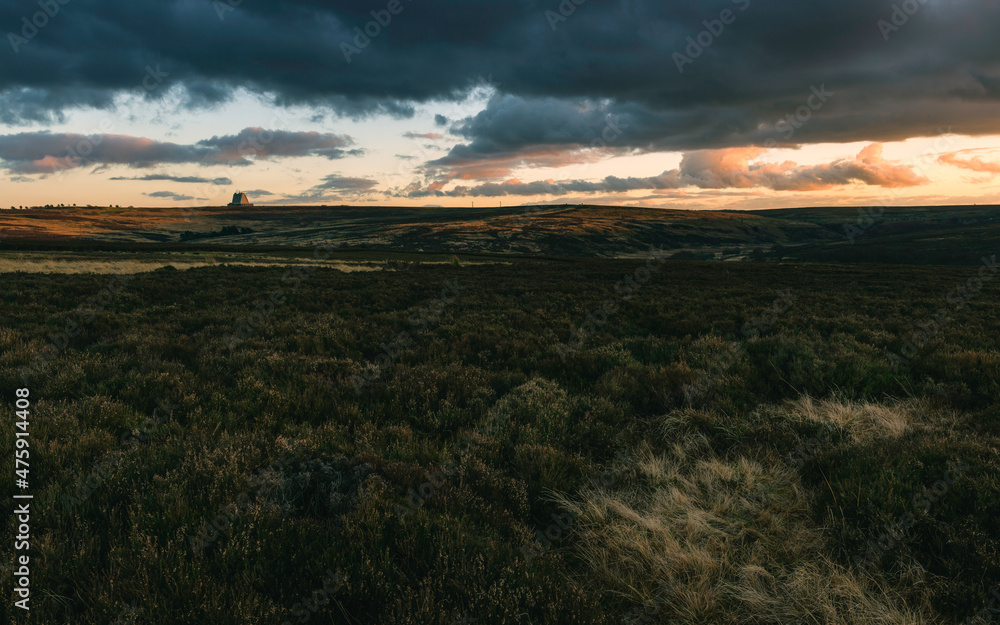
{"points": [[240, 199]]}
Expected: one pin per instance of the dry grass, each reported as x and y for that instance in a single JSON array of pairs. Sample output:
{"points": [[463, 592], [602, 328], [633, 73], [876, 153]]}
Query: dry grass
{"points": [[712, 539], [859, 420], [8, 265], [85, 263], [13, 265]]}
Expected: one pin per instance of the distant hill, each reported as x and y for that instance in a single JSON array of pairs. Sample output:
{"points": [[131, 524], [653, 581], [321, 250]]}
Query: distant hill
{"points": [[945, 235]]}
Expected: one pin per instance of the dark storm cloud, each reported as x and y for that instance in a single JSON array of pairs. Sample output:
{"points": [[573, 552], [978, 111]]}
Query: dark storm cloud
{"points": [[46, 152], [561, 80], [264, 143], [45, 105]]}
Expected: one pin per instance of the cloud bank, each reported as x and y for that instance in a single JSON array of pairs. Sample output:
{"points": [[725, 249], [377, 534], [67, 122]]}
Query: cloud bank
{"points": [[46, 152], [941, 69], [729, 168]]}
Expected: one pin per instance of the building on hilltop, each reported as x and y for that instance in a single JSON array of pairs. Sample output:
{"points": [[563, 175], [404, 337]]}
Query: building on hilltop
{"points": [[240, 199]]}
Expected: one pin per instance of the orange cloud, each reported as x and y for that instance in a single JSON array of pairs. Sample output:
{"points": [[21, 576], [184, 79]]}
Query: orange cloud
{"points": [[974, 164], [731, 168], [728, 168]]}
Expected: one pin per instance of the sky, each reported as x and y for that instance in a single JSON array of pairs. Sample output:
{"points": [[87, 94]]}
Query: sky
{"points": [[719, 104]]}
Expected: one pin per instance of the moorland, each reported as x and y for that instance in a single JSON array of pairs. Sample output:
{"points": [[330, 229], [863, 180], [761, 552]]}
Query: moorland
{"points": [[543, 415]]}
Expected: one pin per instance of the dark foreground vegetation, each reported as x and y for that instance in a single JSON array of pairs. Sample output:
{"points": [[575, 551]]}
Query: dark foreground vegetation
{"points": [[734, 443]]}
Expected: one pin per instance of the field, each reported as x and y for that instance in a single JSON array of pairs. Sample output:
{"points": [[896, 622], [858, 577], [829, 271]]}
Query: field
{"points": [[558, 230], [504, 439], [953, 235]]}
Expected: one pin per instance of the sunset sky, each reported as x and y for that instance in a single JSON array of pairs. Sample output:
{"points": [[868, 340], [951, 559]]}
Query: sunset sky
{"points": [[718, 104]]}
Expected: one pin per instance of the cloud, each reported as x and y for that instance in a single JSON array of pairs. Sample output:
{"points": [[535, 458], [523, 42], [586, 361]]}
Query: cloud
{"points": [[23, 104], [180, 179], [941, 69], [974, 164], [342, 183], [45, 152], [732, 168], [432, 136], [729, 168], [171, 196], [334, 187], [261, 143], [462, 163], [513, 128]]}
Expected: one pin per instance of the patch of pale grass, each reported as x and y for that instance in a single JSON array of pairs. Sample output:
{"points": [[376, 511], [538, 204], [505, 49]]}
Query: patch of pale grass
{"points": [[9, 265], [87, 266], [710, 539], [859, 420]]}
